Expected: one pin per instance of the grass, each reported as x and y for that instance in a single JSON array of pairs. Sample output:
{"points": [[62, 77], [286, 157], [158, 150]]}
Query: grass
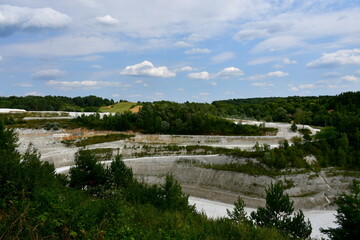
{"points": [[43, 123], [96, 140], [309, 194], [102, 154], [251, 168], [344, 173], [120, 107]]}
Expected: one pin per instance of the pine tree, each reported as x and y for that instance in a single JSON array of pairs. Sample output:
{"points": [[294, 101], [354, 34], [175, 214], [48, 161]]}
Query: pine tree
{"points": [[348, 215], [9, 162], [279, 213], [238, 214], [87, 173], [120, 174]]}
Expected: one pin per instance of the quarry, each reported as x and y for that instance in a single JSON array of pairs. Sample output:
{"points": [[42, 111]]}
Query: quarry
{"points": [[154, 156], [308, 190]]}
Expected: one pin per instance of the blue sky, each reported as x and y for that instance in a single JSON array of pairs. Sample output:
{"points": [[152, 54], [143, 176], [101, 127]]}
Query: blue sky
{"points": [[179, 50]]}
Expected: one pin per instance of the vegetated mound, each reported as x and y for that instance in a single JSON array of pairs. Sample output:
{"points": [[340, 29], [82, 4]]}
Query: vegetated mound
{"points": [[121, 107]]}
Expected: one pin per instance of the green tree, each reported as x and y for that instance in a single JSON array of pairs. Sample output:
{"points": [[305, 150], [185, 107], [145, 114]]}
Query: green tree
{"points": [[10, 172], [120, 174], [238, 214], [299, 116], [87, 173], [279, 213], [348, 215], [35, 174], [174, 198]]}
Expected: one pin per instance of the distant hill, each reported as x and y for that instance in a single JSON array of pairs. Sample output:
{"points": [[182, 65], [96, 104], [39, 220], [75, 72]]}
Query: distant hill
{"points": [[121, 107]]}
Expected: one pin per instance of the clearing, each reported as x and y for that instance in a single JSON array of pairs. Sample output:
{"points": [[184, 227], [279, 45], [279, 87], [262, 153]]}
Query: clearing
{"points": [[121, 107]]}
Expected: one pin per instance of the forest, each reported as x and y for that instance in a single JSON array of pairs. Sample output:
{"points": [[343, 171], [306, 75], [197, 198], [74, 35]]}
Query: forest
{"points": [[172, 118], [55, 103]]}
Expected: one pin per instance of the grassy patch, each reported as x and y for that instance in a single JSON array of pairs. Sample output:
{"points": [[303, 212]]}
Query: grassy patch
{"points": [[45, 123], [345, 173], [96, 140], [251, 168], [120, 107], [102, 154], [309, 194]]}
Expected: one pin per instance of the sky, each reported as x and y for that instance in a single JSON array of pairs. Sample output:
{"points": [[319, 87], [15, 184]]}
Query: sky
{"points": [[179, 50]]}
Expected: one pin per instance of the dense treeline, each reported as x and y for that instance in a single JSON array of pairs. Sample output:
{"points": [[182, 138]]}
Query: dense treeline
{"points": [[98, 202], [318, 111], [173, 118], [338, 144], [55, 103]]}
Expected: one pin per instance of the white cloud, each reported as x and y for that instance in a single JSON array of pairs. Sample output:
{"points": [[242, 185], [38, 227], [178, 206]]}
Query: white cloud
{"points": [[146, 68], [182, 44], [199, 75], [279, 43], [14, 19], [330, 74], [262, 84], [297, 28], [135, 96], [65, 46], [107, 20], [338, 58], [90, 58], [67, 85], [197, 51], [223, 57], [23, 84], [264, 60], [229, 93], [214, 84], [304, 87], [48, 74], [269, 74], [289, 61], [294, 89], [250, 34], [96, 66], [278, 74], [307, 86], [229, 72], [186, 69], [193, 21], [33, 94], [204, 94], [350, 78]]}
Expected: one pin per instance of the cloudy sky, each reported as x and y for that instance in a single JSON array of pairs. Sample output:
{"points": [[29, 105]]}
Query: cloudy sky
{"points": [[179, 50]]}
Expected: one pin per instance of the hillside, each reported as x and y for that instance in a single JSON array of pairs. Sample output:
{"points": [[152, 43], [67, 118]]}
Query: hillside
{"points": [[121, 107]]}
